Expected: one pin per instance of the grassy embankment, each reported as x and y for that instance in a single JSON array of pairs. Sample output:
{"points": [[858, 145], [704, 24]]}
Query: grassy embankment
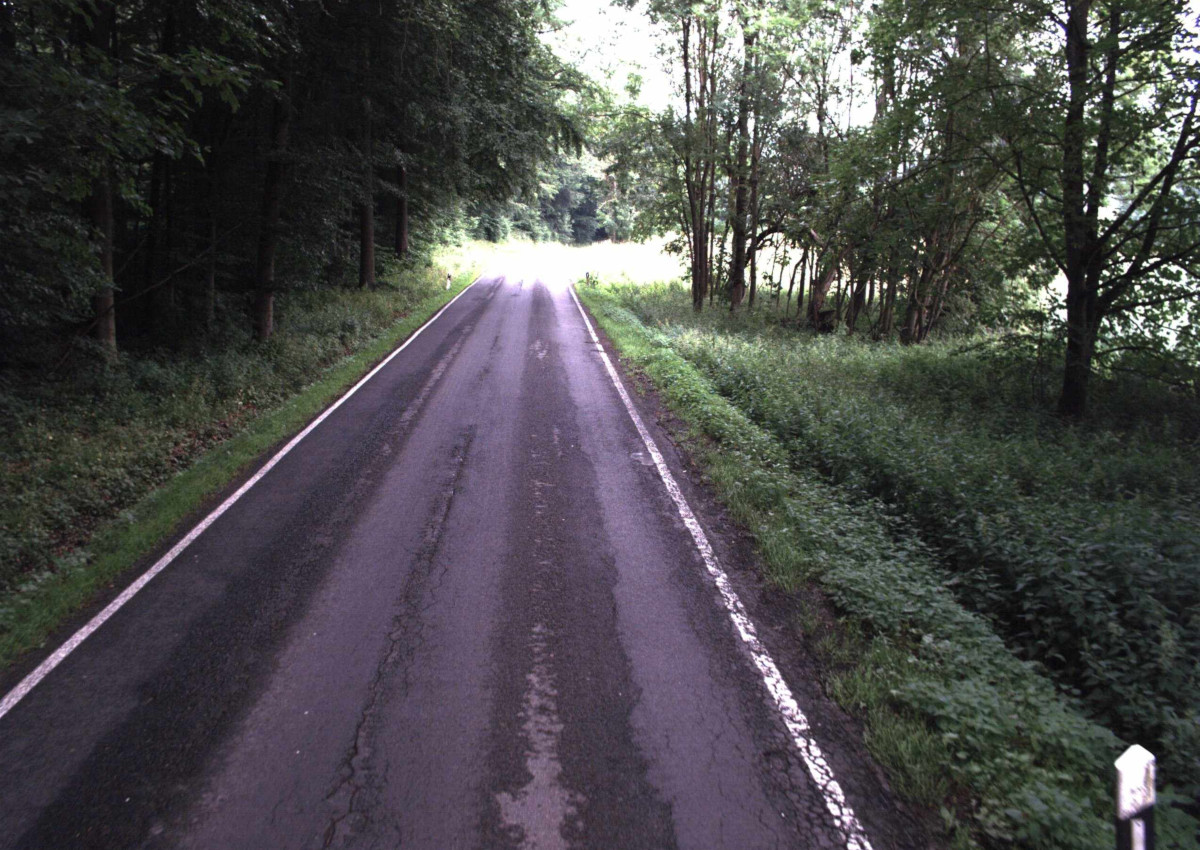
{"points": [[1011, 594], [100, 463]]}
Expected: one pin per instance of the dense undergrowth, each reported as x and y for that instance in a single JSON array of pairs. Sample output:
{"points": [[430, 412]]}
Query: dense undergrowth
{"points": [[82, 445], [1024, 590]]}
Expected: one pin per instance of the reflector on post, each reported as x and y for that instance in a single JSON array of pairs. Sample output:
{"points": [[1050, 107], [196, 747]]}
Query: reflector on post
{"points": [[1135, 799]]}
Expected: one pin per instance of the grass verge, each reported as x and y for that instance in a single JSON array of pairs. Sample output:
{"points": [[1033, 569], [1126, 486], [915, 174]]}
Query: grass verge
{"points": [[39, 600], [959, 722]]}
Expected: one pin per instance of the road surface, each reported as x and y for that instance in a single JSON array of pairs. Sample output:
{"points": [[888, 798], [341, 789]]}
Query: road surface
{"points": [[463, 612]]}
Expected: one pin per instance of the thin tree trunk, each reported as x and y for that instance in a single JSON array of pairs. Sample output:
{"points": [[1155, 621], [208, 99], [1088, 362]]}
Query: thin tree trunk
{"points": [[820, 290], [781, 269], [887, 299], [858, 290], [1080, 302], [933, 312], [753, 253], [210, 274], [787, 308], [804, 264], [161, 302], [268, 237], [912, 314], [754, 211], [839, 298], [366, 245], [719, 265], [737, 250], [366, 205], [101, 35], [402, 212], [100, 212], [693, 165]]}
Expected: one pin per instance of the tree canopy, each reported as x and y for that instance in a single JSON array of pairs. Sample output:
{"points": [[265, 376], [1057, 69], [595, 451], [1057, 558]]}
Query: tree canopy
{"points": [[905, 168]]}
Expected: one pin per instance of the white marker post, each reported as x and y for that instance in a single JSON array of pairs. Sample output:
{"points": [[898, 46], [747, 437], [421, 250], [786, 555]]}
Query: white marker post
{"points": [[1135, 799], [448, 280]]}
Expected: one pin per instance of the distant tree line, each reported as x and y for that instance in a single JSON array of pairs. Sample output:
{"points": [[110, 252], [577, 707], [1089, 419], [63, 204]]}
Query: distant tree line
{"points": [[168, 165], [575, 202], [902, 166]]}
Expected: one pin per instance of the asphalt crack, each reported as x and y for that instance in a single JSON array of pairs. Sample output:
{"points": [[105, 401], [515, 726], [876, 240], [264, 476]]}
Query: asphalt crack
{"points": [[350, 796]]}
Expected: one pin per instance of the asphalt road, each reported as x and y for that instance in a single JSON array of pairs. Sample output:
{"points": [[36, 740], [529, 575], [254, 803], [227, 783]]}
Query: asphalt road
{"points": [[464, 612]]}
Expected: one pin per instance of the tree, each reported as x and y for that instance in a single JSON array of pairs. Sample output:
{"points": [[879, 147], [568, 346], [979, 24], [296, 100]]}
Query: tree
{"points": [[1101, 146]]}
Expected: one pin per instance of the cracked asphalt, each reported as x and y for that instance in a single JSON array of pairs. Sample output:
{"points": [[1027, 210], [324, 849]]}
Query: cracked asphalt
{"points": [[462, 613]]}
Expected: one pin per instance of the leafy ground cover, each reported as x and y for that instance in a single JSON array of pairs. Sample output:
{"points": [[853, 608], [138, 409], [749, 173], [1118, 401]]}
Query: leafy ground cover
{"points": [[1011, 591], [100, 462]]}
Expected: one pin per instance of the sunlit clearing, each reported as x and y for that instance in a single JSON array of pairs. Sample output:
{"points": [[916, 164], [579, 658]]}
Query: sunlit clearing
{"points": [[558, 265]]}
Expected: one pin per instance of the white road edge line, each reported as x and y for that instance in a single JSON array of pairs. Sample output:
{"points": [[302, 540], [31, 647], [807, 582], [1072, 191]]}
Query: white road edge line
{"points": [[797, 724], [33, 679]]}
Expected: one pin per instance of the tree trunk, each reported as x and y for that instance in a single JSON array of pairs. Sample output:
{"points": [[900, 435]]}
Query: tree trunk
{"points": [[887, 298], [210, 274], [817, 314], [912, 314], [858, 294], [100, 213], [366, 214], [402, 212], [366, 245], [268, 236], [840, 298], [100, 35], [366, 204], [1080, 302], [161, 300], [719, 265], [1083, 324], [753, 289], [804, 263], [209, 292], [755, 155], [787, 307], [694, 173], [737, 226], [699, 258], [933, 311]]}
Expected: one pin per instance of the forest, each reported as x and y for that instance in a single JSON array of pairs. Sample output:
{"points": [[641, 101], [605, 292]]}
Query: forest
{"points": [[902, 168], [164, 161], [935, 332]]}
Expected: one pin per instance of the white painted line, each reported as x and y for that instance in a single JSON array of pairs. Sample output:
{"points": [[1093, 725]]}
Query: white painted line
{"points": [[797, 724], [31, 681]]}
